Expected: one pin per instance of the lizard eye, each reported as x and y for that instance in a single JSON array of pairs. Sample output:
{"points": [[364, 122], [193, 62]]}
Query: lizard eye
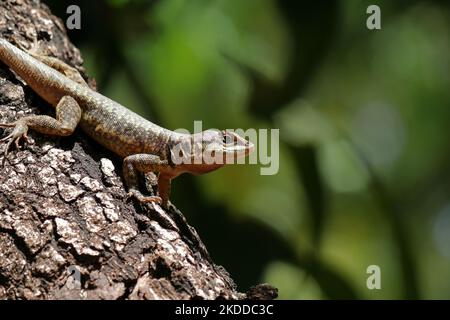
{"points": [[228, 139]]}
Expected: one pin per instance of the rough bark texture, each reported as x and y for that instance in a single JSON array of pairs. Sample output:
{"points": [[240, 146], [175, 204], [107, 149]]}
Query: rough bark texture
{"points": [[66, 228]]}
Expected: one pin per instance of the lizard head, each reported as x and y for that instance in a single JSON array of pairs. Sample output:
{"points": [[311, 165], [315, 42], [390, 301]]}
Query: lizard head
{"points": [[225, 143], [212, 149]]}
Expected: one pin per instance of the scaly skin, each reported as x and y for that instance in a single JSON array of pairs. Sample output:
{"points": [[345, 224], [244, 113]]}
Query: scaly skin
{"points": [[144, 145]]}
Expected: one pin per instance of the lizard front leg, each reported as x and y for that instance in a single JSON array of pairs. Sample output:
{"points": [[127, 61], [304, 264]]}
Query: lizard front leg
{"points": [[68, 114], [145, 163]]}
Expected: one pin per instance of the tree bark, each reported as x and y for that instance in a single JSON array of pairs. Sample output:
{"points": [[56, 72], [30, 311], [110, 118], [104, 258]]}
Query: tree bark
{"points": [[67, 230]]}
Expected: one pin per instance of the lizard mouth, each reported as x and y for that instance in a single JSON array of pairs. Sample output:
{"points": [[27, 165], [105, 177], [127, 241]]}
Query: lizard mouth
{"points": [[237, 146], [247, 149]]}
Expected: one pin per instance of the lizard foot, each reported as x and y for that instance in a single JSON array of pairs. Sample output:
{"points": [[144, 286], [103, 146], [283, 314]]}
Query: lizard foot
{"points": [[133, 193], [20, 131]]}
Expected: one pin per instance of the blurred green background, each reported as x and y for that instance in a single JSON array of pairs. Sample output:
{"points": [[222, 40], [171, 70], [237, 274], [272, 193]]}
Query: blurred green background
{"points": [[364, 120]]}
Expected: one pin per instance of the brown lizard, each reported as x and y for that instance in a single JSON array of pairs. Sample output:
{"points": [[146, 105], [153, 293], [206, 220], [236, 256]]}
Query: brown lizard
{"points": [[145, 146]]}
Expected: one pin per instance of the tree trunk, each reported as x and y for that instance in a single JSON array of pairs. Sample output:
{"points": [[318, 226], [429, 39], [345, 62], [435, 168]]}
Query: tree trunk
{"points": [[67, 230]]}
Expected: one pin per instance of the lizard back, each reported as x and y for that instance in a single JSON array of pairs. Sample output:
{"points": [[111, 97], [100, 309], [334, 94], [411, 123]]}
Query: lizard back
{"points": [[106, 121]]}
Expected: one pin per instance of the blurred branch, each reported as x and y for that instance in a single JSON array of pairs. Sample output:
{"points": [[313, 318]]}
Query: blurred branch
{"points": [[400, 234], [306, 159]]}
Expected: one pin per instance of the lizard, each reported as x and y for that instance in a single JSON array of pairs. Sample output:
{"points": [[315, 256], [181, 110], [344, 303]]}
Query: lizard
{"points": [[143, 145]]}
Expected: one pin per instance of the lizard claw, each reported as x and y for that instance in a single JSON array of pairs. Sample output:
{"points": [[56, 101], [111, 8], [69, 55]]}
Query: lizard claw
{"points": [[20, 131], [133, 193]]}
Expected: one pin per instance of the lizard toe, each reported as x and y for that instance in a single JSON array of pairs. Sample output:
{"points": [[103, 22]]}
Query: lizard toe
{"points": [[16, 142], [5, 154], [20, 131], [7, 138], [151, 199], [133, 193], [7, 125]]}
